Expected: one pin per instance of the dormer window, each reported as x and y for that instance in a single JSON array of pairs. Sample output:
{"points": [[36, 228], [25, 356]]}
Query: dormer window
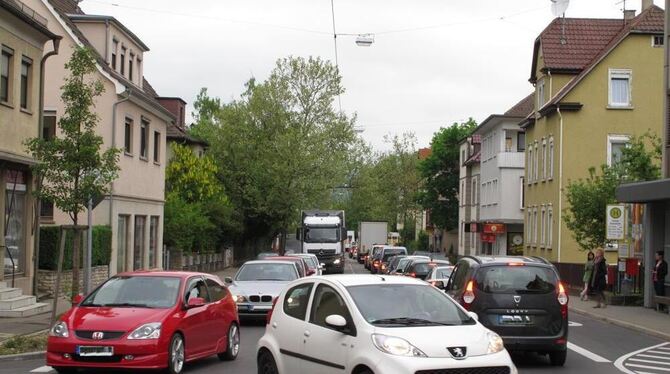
{"points": [[130, 67], [115, 49], [123, 60]]}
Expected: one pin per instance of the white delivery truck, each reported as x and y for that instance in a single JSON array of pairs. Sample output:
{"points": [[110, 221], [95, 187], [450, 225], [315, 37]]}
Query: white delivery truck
{"points": [[323, 233], [369, 234]]}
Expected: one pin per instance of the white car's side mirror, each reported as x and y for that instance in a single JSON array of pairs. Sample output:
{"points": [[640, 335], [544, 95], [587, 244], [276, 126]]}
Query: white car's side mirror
{"points": [[336, 321], [474, 316]]}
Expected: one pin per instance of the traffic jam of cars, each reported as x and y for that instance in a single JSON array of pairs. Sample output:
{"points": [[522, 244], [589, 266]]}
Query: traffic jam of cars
{"points": [[414, 313]]}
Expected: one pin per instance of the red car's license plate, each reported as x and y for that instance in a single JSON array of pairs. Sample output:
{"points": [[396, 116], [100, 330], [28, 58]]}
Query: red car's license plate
{"points": [[95, 351]]}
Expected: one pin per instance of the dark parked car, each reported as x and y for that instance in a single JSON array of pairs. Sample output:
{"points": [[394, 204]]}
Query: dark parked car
{"points": [[421, 268], [380, 261], [520, 298], [405, 262]]}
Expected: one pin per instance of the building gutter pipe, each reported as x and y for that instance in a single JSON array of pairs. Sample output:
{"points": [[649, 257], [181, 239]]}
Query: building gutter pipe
{"points": [[38, 184]]}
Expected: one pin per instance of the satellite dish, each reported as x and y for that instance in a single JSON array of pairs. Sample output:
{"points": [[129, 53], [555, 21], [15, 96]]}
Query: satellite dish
{"points": [[558, 7]]}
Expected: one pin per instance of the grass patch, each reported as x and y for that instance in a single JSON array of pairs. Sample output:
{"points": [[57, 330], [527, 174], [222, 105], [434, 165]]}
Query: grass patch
{"points": [[24, 344]]}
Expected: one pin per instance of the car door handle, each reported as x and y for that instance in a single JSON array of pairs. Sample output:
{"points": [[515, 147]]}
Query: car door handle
{"points": [[274, 325], [306, 333]]}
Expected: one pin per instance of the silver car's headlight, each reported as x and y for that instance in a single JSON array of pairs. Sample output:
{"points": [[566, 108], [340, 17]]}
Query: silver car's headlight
{"points": [[396, 346], [495, 343], [146, 331], [59, 330], [239, 298]]}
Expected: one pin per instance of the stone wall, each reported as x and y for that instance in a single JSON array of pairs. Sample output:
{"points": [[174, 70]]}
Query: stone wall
{"points": [[46, 280], [200, 262]]}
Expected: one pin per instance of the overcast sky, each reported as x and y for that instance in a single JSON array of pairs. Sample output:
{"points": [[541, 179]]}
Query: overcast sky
{"points": [[433, 62]]}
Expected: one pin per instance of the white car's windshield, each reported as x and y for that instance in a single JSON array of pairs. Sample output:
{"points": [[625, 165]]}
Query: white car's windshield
{"points": [[420, 305], [142, 292], [266, 272]]}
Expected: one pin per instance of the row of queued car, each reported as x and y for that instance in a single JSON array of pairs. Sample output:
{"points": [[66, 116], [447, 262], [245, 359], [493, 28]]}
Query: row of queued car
{"points": [[394, 260]]}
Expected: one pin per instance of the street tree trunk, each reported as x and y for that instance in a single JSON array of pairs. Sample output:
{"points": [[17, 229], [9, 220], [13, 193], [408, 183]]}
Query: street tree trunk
{"points": [[75, 260]]}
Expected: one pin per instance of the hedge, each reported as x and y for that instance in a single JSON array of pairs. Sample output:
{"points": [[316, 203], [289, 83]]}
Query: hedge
{"points": [[50, 241]]}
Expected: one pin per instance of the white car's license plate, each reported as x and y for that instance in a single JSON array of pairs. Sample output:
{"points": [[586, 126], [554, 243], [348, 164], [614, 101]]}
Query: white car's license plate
{"points": [[95, 351]]}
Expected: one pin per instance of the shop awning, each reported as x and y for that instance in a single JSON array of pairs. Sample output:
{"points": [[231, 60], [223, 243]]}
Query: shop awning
{"points": [[644, 192]]}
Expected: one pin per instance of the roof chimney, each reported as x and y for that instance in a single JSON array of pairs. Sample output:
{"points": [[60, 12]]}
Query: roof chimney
{"points": [[646, 4], [629, 14]]}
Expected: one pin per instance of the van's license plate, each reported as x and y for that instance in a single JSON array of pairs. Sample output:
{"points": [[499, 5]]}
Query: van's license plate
{"points": [[515, 319], [94, 351]]}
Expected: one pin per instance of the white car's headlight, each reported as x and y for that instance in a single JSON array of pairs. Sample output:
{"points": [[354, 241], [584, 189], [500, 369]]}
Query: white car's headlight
{"points": [[146, 331], [396, 346], [495, 343], [59, 330]]}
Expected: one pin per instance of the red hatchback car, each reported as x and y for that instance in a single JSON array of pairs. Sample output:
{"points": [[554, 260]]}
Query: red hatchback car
{"points": [[147, 320]]}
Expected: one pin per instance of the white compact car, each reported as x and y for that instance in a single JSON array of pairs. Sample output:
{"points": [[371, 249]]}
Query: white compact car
{"points": [[368, 324]]}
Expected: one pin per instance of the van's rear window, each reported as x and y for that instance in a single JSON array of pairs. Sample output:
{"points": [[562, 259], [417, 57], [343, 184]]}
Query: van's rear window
{"points": [[516, 279]]}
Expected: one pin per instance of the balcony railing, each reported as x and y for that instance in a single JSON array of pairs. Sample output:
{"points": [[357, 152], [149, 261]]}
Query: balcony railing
{"points": [[511, 160]]}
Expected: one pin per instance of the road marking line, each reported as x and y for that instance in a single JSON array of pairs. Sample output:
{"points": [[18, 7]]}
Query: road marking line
{"points": [[664, 348], [574, 324], [586, 353], [43, 369], [648, 361], [659, 352], [652, 356], [619, 362], [647, 367]]}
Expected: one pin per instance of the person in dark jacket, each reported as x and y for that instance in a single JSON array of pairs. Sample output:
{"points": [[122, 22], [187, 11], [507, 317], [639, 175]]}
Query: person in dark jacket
{"points": [[658, 276], [599, 280]]}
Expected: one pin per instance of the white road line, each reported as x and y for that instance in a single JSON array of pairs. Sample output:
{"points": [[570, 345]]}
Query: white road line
{"points": [[664, 348], [659, 352], [43, 369], [586, 353], [647, 367], [574, 324], [652, 356], [619, 362], [648, 361]]}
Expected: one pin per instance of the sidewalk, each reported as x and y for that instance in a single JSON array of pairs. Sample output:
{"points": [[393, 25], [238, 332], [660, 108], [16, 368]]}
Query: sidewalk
{"points": [[644, 320], [10, 327]]}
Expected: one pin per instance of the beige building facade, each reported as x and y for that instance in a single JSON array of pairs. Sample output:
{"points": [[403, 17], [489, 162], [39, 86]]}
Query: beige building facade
{"points": [[24, 38], [131, 119]]}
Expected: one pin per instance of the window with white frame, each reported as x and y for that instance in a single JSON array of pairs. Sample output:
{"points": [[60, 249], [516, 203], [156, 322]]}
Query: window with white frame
{"points": [[529, 226], [615, 147], [540, 94], [474, 191], [462, 193], [544, 159], [535, 226], [494, 194], [550, 226], [543, 227], [620, 88], [536, 163], [657, 41], [551, 157], [530, 164]]}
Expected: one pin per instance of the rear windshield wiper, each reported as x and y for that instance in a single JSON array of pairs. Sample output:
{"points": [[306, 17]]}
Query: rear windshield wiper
{"points": [[405, 321]]}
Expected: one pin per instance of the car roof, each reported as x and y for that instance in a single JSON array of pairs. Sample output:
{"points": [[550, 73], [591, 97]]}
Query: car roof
{"points": [[438, 262], [161, 273], [269, 262], [348, 280], [504, 260]]}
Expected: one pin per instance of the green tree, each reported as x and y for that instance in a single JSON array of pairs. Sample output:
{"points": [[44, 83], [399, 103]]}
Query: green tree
{"points": [[440, 174], [281, 147], [587, 198], [72, 165], [192, 178]]}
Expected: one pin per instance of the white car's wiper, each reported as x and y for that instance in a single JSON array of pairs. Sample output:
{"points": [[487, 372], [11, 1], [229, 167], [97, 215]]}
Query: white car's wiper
{"points": [[406, 321], [269, 279]]}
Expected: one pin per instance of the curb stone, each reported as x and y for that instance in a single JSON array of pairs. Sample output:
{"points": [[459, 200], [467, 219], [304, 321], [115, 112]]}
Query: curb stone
{"points": [[23, 356], [624, 324]]}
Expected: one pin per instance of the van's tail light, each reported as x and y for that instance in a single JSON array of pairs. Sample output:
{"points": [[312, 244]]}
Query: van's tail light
{"points": [[469, 295], [413, 275], [268, 317], [563, 300]]}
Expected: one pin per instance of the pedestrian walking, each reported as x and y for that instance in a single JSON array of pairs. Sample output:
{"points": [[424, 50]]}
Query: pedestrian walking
{"points": [[588, 274], [599, 280], [658, 276]]}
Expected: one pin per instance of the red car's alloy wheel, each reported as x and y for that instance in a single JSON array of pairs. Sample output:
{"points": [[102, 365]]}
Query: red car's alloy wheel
{"points": [[176, 354], [233, 347]]}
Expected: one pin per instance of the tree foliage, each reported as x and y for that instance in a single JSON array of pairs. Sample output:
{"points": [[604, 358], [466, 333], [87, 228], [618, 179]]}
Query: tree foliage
{"points": [[280, 147], [588, 198], [440, 173], [191, 177]]}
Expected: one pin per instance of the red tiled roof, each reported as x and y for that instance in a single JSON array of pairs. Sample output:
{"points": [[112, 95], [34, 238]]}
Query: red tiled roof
{"points": [[581, 42], [523, 108], [424, 153]]}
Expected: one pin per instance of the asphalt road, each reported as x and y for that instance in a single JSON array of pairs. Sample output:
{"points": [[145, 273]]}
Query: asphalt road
{"points": [[595, 348]]}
